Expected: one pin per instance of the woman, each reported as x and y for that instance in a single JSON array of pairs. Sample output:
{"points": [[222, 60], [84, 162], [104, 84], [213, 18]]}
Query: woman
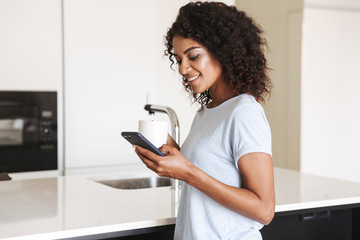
{"points": [[225, 162]]}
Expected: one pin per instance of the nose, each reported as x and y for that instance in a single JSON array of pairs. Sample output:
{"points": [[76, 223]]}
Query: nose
{"points": [[184, 68]]}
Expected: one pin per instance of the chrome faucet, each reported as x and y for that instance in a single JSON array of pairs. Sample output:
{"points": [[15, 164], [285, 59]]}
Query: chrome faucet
{"points": [[175, 127]]}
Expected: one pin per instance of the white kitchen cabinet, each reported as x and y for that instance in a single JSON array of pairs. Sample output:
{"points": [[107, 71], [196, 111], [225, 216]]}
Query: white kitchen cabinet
{"points": [[113, 59], [31, 51], [30, 45]]}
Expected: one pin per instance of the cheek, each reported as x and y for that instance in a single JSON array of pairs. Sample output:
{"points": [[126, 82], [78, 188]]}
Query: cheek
{"points": [[204, 63], [211, 67]]}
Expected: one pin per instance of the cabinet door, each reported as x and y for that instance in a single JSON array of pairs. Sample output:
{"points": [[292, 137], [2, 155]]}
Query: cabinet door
{"points": [[113, 59], [30, 45], [31, 50], [312, 225]]}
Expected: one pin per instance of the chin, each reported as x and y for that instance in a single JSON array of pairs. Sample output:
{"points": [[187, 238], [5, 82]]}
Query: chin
{"points": [[197, 90]]}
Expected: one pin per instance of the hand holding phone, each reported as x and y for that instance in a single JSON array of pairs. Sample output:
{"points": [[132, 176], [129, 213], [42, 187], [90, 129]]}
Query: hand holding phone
{"points": [[136, 138]]}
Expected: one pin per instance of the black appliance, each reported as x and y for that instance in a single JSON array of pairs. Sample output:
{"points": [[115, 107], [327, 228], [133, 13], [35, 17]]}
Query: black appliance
{"points": [[28, 131]]}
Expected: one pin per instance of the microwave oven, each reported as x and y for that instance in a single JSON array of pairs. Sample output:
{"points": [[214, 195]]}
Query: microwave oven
{"points": [[28, 131]]}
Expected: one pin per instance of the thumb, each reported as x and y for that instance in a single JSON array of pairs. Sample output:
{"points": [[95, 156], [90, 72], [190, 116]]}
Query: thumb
{"points": [[167, 149]]}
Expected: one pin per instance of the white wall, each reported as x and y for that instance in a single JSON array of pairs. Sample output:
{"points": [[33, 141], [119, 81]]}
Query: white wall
{"points": [[330, 130], [314, 108], [113, 59], [281, 22]]}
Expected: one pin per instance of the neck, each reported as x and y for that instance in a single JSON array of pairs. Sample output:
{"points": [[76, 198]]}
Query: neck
{"points": [[218, 96]]}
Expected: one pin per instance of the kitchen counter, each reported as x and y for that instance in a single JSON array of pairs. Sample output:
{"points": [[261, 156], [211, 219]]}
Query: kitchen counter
{"points": [[75, 206]]}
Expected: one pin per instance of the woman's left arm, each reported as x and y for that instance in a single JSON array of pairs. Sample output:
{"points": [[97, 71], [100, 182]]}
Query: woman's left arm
{"points": [[255, 201]]}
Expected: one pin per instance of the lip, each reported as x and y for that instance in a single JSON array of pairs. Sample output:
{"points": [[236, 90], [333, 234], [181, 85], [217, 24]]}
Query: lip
{"points": [[192, 80]]}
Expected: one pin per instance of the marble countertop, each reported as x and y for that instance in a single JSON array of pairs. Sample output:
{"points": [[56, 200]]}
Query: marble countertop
{"points": [[73, 206]]}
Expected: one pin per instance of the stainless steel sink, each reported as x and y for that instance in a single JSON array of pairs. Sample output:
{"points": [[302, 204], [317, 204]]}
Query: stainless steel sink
{"points": [[137, 183]]}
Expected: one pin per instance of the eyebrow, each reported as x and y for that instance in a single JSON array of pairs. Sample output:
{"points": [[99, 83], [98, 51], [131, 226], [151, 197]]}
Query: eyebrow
{"points": [[187, 50]]}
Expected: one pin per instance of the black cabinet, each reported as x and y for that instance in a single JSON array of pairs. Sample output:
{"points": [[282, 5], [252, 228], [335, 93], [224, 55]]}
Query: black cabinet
{"points": [[331, 223]]}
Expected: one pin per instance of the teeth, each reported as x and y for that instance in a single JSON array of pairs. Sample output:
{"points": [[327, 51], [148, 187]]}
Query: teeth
{"points": [[193, 78]]}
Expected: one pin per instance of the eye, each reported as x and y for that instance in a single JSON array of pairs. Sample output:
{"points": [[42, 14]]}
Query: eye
{"points": [[194, 57]]}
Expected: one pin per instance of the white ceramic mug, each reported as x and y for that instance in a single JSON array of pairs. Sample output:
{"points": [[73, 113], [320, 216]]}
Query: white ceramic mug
{"points": [[154, 131]]}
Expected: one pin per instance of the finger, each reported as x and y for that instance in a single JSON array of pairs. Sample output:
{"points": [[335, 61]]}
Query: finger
{"points": [[149, 164], [146, 153], [152, 165], [143, 157]]}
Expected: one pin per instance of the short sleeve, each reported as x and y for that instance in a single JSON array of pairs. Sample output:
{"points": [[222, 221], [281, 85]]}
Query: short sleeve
{"points": [[250, 131]]}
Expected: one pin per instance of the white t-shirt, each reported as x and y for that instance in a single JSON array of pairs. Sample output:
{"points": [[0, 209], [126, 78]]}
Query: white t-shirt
{"points": [[218, 138]]}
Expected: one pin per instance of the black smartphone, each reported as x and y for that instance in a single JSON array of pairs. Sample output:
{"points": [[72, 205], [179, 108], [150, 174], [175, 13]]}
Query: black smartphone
{"points": [[135, 138]]}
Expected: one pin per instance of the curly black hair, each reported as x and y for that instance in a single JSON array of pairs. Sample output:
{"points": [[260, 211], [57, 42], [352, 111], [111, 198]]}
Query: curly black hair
{"points": [[233, 38]]}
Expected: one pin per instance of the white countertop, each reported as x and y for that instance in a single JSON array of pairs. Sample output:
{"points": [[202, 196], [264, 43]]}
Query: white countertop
{"points": [[71, 206]]}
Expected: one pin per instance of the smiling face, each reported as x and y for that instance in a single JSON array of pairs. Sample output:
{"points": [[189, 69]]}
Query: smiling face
{"points": [[197, 65]]}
